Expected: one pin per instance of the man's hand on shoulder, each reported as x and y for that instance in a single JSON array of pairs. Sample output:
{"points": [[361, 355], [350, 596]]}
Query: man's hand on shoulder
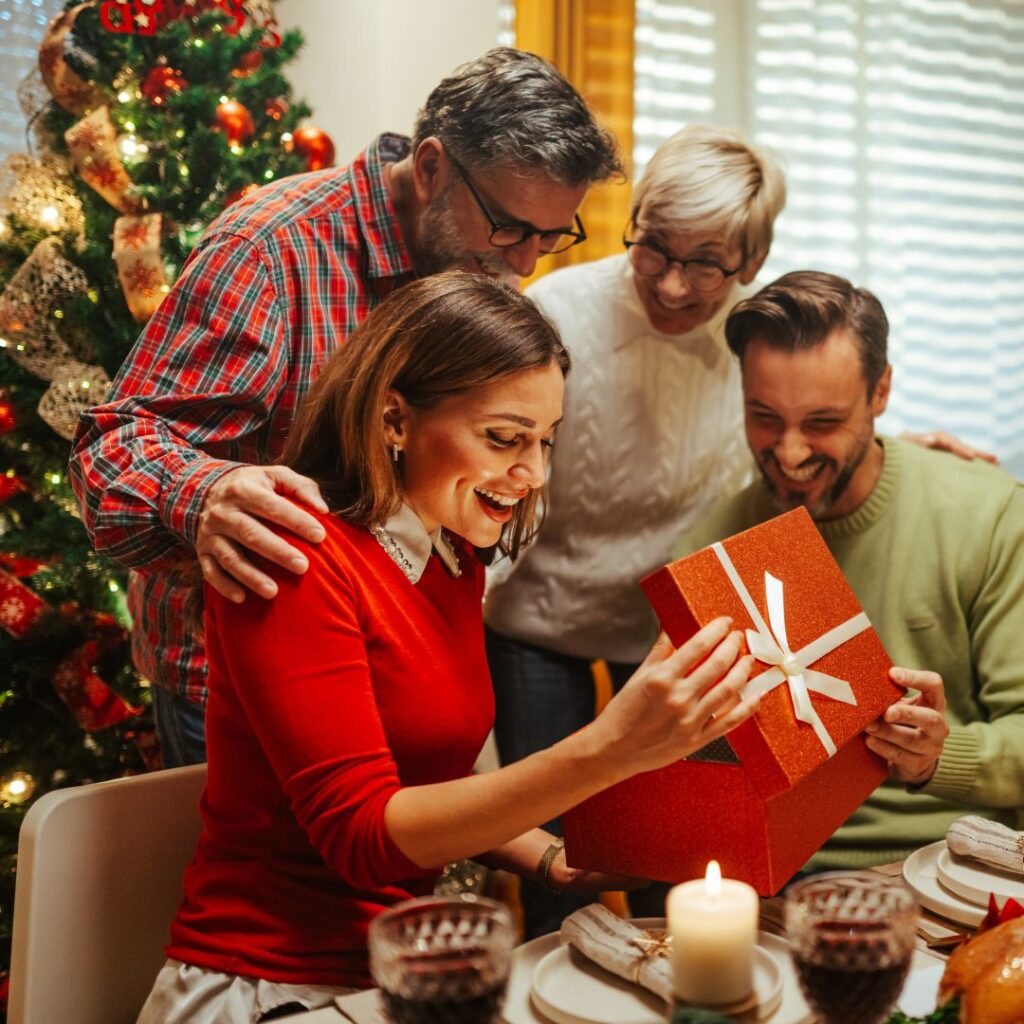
{"points": [[232, 527], [911, 733], [943, 442]]}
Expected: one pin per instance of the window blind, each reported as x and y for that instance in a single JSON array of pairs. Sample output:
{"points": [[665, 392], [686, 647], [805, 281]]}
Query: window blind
{"points": [[688, 68], [21, 30]]}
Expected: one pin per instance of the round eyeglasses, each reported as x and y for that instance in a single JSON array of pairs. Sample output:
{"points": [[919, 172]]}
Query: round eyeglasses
{"points": [[702, 273]]}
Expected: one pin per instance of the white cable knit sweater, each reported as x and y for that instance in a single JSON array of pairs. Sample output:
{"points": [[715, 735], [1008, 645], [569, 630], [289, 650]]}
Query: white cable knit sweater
{"points": [[652, 438]]}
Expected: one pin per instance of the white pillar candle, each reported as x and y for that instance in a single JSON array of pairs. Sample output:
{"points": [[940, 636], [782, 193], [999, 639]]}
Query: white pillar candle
{"points": [[713, 923]]}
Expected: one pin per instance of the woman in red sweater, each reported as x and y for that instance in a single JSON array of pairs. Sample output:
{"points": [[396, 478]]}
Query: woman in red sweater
{"points": [[345, 715]]}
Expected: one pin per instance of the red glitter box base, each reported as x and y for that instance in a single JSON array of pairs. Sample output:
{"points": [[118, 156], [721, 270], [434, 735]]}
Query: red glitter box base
{"points": [[763, 818], [667, 825]]}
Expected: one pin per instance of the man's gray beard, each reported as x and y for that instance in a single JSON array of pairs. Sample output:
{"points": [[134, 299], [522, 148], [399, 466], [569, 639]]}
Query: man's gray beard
{"points": [[786, 503], [439, 244]]}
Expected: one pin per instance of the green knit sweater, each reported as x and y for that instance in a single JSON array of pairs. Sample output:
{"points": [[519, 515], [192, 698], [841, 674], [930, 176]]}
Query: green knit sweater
{"points": [[936, 557]]}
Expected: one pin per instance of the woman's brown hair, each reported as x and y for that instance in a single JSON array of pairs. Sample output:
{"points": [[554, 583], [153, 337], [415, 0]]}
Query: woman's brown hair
{"points": [[431, 340]]}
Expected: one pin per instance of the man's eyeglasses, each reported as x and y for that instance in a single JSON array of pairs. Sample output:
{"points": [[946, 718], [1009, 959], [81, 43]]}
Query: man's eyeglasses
{"points": [[504, 236], [650, 260]]}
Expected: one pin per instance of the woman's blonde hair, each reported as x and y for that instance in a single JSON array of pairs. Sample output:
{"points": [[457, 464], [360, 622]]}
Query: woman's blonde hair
{"points": [[430, 340], [708, 179]]}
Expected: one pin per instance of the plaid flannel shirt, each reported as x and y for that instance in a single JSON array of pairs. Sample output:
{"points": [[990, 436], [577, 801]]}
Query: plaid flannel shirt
{"points": [[274, 288]]}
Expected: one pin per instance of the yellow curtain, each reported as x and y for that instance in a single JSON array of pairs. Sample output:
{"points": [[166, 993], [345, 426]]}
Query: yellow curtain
{"points": [[591, 43]]}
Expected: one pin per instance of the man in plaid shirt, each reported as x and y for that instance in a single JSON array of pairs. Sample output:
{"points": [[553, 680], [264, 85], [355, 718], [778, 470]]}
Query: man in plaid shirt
{"points": [[176, 463]]}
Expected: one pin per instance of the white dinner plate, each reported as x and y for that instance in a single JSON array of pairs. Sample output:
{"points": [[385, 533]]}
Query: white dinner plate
{"points": [[973, 881], [570, 989], [603, 998], [919, 872], [519, 1007]]}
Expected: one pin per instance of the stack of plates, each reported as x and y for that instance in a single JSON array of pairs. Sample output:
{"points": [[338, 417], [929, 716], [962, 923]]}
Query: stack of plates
{"points": [[958, 887], [553, 984]]}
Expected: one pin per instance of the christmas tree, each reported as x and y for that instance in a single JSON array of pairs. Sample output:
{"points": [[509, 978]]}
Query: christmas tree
{"points": [[148, 119]]}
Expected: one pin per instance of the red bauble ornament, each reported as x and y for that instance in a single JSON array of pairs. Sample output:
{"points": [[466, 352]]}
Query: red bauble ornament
{"points": [[235, 122], [250, 62], [241, 193], [315, 145], [161, 82], [7, 420], [10, 485], [276, 109]]}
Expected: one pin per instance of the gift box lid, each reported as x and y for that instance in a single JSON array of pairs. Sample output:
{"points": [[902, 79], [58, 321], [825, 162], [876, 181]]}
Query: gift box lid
{"points": [[815, 647]]}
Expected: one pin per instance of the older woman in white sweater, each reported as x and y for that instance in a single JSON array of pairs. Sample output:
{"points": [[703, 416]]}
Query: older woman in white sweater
{"points": [[652, 437]]}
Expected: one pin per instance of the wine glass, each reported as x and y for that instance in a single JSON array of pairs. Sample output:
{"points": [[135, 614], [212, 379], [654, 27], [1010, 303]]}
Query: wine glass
{"points": [[442, 959], [851, 935]]}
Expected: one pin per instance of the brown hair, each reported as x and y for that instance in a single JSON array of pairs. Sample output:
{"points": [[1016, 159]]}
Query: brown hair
{"points": [[430, 340], [801, 309]]}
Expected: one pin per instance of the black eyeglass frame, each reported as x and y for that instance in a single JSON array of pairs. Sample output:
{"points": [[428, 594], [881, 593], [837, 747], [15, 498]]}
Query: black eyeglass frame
{"points": [[526, 230], [669, 259]]}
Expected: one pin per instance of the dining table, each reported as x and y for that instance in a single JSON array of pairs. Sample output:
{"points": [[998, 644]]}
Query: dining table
{"points": [[935, 939]]}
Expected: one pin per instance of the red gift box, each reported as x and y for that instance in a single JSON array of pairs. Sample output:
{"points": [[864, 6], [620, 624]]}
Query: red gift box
{"points": [[764, 799]]}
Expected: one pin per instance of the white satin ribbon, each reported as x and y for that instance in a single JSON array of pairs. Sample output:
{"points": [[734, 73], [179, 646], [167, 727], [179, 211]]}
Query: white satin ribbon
{"points": [[771, 646]]}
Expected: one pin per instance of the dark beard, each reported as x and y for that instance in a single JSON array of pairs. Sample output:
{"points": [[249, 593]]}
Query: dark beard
{"points": [[786, 501]]}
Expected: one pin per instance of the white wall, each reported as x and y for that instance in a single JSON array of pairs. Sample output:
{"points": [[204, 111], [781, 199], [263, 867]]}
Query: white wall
{"points": [[368, 65]]}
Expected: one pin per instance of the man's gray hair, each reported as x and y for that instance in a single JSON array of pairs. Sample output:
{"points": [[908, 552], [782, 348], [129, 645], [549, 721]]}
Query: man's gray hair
{"points": [[511, 108]]}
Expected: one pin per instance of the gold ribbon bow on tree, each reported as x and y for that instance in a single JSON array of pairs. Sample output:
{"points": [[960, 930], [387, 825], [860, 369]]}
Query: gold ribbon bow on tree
{"points": [[92, 145], [140, 266]]}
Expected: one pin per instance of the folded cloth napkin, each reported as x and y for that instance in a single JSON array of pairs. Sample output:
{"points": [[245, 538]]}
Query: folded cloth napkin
{"points": [[620, 947], [987, 841]]}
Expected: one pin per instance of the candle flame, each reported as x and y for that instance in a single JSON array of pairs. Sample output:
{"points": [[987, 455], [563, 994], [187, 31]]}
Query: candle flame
{"points": [[713, 878]]}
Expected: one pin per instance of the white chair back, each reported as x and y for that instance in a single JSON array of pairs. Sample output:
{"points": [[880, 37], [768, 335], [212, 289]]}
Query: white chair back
{"points": [[99, 879]]}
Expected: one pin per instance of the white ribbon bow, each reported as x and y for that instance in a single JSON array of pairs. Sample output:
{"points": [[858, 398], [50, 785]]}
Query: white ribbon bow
{"points": [[771, 646]]}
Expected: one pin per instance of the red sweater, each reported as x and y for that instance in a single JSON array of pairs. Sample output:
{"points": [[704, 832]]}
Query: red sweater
{"points": [[323, 702]]}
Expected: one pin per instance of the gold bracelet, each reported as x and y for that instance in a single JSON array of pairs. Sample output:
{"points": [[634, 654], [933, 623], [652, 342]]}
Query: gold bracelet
{"points": [[546, 860]]}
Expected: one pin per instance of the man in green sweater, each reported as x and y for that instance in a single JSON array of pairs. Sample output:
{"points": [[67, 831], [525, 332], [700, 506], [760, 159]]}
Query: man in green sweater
{"points": [[932, 546]]}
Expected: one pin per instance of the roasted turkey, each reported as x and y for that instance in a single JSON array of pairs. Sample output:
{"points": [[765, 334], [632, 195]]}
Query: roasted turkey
{"points": [[988, 974]]}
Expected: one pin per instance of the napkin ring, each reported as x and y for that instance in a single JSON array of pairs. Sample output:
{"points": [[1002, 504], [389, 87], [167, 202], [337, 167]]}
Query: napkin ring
{"points": [[546, 860]]}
